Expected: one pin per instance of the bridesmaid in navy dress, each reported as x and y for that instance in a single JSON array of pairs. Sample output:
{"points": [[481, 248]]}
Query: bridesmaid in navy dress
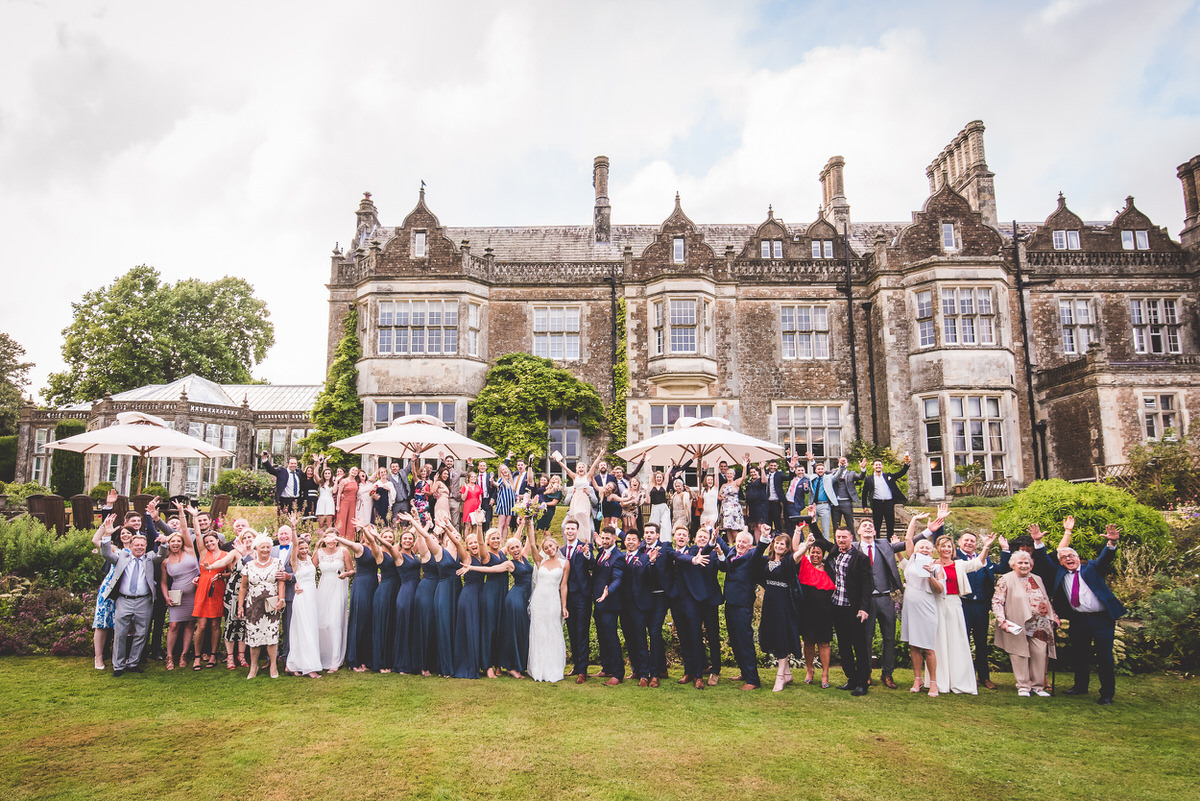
{"points": [[423, 639], [383, 605], [408, 566], [468, 614], [445, 598], [362, 595], [495, 587], [514, 621]]}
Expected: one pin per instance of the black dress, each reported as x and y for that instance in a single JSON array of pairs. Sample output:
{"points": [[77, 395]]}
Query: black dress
{"points": [[779, 629], [757, 502]]}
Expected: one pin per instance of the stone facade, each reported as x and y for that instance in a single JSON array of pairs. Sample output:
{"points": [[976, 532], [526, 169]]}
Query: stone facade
{"points": [[752, 322]]}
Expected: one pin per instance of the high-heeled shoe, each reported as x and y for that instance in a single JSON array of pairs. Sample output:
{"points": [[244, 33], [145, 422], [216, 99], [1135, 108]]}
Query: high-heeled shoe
{"points": [[933, 690], [230, 662], [917, 685], [170, 663], [779, 683]]}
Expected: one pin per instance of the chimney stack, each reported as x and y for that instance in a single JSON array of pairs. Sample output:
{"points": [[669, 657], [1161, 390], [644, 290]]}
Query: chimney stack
{"points": [[962, 164], [602, 219], [1188, 173], [834, 206]]}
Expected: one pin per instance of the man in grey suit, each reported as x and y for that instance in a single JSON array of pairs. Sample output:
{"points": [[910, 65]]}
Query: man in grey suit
{"points": [[455, 486], [401, 492], [844, 481], [133, 589], [886, 576]]}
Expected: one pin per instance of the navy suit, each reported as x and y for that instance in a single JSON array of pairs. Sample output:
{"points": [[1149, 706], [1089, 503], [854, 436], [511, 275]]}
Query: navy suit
{"points": [[282, 476], [658, 609], [637, 606], [579, 606], [1091, 633], [701, 584], [607, 570], [683, 610], [741, 589]]}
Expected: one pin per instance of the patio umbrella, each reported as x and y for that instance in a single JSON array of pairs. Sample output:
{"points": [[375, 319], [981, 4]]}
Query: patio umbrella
{"points": [[708, 438], [414, 436], [140, 434]]}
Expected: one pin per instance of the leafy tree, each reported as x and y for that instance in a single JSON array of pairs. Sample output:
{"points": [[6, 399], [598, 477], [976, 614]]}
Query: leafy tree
{"points": [[338, 412], [14, 376], [618, 422], [66, 468], [1167, 472], [141, 330], [511, 412], [8, 458], [1094, 506]]}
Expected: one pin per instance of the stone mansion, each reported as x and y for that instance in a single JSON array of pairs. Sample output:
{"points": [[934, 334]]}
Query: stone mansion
{"points": [[1049, 355]]}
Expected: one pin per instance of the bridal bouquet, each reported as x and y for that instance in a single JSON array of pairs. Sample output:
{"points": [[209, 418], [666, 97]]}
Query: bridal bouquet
{"points": [[528, 507]]}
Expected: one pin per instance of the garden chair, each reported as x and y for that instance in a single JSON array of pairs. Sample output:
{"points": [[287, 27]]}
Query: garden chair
{"points": [[54, 511], [83, 515], [140, 502], [220, 507]]}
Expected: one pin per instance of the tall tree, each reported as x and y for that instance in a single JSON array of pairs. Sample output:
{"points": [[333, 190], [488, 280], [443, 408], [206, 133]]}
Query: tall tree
{"points": [[14, 377], [337, 412], [140, 330], [511, 412]]}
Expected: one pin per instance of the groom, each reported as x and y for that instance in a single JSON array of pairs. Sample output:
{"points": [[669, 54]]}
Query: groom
{"points": [[579, 599], [606, 581]]}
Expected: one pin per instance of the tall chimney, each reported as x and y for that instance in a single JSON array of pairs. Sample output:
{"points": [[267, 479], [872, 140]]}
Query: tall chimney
{"points": [[834, 205], [962, 164], [1190, 236], [602, 219]]}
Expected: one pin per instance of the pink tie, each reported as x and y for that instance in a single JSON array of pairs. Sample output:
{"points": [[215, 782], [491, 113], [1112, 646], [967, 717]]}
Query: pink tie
{"points": [[1075, 590], [871, 553]]}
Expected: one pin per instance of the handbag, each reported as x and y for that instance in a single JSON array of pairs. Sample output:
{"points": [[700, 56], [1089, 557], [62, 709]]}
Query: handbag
{"points": [[477, 518]]}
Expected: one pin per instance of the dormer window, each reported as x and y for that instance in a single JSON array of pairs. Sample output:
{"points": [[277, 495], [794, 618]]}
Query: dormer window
{"points": [[419, 245], [772, 249], [677, 251], [822, 248], [1066, 240], [1135, 240], [949, 238]]}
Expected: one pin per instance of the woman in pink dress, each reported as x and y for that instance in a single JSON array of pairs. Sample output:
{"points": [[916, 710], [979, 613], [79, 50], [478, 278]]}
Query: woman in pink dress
{"points": [[347, 499], [472, 498]]}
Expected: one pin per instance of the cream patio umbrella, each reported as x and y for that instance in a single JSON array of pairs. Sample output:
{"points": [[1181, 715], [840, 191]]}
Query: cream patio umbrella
{"points": [[708, 438], [415, 435], [140, 434]]}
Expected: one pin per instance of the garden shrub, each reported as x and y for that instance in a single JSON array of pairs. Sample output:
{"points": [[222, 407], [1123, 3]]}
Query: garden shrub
{"points": [[978, 500], [99, 493], [160, 492], [49, 620], [246, 487], [29, 550], [66, 468], [1165, 631], [1094, 506], [17, 493]]}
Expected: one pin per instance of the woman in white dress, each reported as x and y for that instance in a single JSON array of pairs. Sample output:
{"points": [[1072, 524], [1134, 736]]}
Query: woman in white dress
{"points": [[366, 485], [304, 648], [955, 670], [332, 593], [547, 611], [326, 507], [708, 514], [581, 493], [919, 614]]}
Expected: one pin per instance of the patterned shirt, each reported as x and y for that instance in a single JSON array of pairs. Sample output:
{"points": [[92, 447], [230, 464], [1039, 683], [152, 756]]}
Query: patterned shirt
{"points": [[841, 563]]}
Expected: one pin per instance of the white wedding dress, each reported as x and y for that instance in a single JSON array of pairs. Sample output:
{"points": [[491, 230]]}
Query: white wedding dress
{"points": [[304, 649], [547, 647], [332, 596]]}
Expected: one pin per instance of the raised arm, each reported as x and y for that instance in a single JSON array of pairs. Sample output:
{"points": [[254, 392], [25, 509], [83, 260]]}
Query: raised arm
{"points": [[352, 546], [802, 540], [1068, 527], [911, 533], [460, 551]]}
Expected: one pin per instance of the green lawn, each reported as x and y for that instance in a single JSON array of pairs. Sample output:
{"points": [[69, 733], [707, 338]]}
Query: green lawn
{"points": [[73, 732]]}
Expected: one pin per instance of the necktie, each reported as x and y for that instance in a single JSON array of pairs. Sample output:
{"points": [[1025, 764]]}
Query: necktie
{"points": [[135, 578], [871, 553], [1075, 590], [292, 484]]}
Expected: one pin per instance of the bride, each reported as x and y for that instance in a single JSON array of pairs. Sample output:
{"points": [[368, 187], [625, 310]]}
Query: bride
{"points": [[547, 610]]}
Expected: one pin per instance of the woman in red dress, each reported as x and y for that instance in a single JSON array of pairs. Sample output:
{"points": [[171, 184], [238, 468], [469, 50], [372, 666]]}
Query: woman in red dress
{"points": [[472, 498], [347, 500]]}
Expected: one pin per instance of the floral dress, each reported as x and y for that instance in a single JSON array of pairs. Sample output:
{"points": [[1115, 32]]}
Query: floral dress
{"points": [[235, 625], [262, 620], [103, 619], [420, 502], [731, 507]]}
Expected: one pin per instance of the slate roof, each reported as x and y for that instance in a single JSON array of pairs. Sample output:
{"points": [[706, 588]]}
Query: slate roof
{"points": [[260, 397]]}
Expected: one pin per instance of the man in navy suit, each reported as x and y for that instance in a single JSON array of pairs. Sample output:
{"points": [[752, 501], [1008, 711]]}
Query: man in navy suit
{"points": [[652, 548], [696, 573], [1081, 595], [287, 483], [607, 569], [579, 599], [740, 591], [683, 608], [882, 493], [977, 605], [885, 576], [777, 483], [637, 605]]}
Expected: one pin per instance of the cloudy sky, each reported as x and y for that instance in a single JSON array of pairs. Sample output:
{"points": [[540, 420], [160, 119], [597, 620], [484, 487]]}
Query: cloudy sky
{"points": [[237, 137]]}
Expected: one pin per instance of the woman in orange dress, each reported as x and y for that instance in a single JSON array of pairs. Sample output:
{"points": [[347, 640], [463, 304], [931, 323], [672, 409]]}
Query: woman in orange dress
{"points": [[347, 499], [210, 598]]}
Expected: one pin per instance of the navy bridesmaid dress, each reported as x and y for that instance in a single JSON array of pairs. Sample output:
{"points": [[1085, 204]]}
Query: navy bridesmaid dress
{"points": [[445, 598], [513, 640], [362, 596], [468, 626], [423, 641], [409, 571], [383, 615], [495, 587]]}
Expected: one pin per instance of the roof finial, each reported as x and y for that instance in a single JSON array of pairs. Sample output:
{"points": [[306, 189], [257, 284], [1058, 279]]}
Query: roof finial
{"points": [[770, 211]]}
